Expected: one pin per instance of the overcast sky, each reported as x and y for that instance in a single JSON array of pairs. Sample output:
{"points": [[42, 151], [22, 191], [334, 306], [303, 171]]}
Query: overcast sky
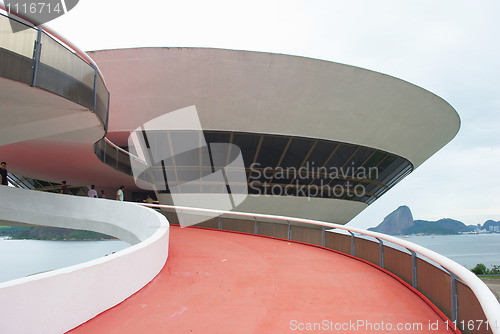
{"points": [[449, 47]]}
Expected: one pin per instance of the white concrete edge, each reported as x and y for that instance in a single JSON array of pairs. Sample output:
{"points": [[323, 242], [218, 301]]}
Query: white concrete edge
{"points": [[59, 300], [102, 260], [486, 298]]}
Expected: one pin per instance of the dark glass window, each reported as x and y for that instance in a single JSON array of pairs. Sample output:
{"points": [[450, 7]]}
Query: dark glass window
{"points": [[321, 152], [247, 143], [297, 152], [274, 165], [271, 150], [341, 157]]}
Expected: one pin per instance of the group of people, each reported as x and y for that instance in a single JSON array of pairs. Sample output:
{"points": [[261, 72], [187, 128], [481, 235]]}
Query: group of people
{"points": [[93, 192], [120, 196]]}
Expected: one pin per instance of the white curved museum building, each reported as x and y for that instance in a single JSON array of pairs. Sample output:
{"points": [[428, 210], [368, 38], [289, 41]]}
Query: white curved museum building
{"points": [[276, 145]]}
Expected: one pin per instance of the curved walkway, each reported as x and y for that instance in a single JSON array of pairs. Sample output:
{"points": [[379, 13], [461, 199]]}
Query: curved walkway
{"points": [[222, 282], [59, 300]]}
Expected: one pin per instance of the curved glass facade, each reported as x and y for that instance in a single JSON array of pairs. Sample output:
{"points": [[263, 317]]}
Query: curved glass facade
{"points": [[274, 165]]}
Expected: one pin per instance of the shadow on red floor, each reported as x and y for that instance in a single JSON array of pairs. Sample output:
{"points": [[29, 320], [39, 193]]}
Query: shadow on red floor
{"points": [[221, 282]]}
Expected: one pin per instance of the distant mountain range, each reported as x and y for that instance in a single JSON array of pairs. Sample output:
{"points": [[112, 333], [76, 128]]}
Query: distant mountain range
{"points": [[400, 222]]}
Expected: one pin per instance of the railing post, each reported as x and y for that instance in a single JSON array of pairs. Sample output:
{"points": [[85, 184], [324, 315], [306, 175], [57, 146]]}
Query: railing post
{"points": [[323, 236], [414, 267], [107, 112], [95, 88], [255, 226], [454, 299], [220, 223], [105, 146], [353, 244], [381, 252], [38, 47], [289, 230]]}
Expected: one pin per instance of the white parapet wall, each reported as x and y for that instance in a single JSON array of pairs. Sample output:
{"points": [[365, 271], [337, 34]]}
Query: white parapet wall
{"points": [[59, 300]]}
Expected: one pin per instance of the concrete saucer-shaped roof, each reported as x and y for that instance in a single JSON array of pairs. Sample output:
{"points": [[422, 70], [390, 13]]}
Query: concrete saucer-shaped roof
{"points": [[264, 93], [279, 94]]}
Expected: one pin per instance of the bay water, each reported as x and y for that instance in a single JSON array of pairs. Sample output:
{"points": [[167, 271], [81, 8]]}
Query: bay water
{"points": [[20, 258], [465, 249]]}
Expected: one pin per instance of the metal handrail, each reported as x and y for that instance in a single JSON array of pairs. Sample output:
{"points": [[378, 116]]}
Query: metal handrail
{"points": [[488, 302], [118, 148], [73, 50]]}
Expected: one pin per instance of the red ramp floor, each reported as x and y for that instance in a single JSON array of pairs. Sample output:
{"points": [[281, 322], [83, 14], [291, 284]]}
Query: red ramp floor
{"points": [[222, 282]]}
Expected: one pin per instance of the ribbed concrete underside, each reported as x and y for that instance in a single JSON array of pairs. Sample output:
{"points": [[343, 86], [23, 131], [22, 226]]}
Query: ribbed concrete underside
{"points": [[221, 282]]}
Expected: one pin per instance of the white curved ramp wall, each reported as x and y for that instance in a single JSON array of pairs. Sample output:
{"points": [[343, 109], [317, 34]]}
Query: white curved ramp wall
{"points": [[57, 301]]}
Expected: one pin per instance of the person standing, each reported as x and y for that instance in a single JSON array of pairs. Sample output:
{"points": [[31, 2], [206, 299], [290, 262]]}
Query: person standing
{"points": [[92, 192], [119, 194], [3, 173], [65, 189]]}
